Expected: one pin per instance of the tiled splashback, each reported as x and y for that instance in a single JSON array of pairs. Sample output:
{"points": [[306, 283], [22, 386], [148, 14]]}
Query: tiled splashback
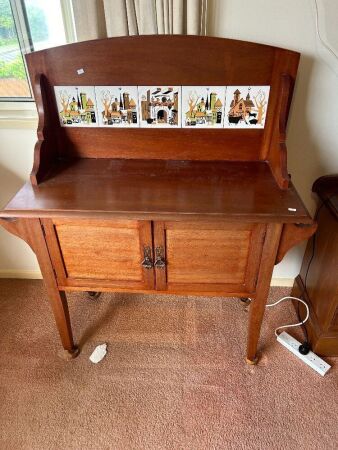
{"points": [[193, 107]]}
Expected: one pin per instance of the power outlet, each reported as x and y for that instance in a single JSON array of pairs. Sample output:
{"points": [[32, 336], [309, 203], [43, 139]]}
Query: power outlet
{"points": [[311, 359]]}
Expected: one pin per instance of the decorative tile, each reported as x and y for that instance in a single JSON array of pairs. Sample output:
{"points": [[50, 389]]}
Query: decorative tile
{"points": [[160, 107], [203, 106], [163, 106], [76, 106], [246, 106], [117, 106]]}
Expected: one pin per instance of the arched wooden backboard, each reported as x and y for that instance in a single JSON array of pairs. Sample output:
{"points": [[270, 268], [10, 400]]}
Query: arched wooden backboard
{"points": [[155, 61]]}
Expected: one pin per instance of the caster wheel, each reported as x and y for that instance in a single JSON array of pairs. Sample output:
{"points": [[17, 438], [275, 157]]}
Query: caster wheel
{"points": [[93, 294], [245, 300]]}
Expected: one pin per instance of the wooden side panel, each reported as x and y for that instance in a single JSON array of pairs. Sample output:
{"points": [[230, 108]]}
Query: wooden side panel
{"points": [[322, 274], [324, 340], [45, 151], [92, 251], [209, 256], [274, 147]]}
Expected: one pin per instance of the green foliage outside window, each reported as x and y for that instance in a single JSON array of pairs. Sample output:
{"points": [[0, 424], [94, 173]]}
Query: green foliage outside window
{"points": [[37, 23], [7, 28], [14, 68]]}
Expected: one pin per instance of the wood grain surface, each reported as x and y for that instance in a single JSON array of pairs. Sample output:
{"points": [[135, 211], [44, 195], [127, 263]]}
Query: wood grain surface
{"points": [[156, 189], [95, 252], [143, 60]]}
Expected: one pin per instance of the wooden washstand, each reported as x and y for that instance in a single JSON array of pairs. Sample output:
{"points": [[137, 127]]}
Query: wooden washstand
{"points": [[182, 211]]}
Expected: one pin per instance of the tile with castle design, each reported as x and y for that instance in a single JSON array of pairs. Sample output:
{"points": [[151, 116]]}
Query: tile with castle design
{"points": [[246, 106], [117, 106], [203, 106], [160, 106], [76, 106]]}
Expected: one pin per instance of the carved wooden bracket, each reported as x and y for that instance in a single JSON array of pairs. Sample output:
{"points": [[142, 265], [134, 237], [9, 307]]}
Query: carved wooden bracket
{"points": [[18, 227], [45, 147], [286, 96], [39, 99], [278, 151], [293, 234]]}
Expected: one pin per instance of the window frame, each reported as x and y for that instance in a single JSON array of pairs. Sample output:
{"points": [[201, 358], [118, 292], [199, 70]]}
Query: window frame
{"points": [[23, 109]]}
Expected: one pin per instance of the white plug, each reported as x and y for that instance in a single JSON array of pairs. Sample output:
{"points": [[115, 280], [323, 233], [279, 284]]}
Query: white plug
{"points": [[311, 359]]}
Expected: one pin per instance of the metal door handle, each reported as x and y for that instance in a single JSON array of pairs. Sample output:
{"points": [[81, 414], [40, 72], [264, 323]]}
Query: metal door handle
{"points": [[147, 262], [159, 258]]}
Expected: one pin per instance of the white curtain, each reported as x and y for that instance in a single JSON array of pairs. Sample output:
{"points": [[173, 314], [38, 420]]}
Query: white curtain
{"points": [[96, 19]]}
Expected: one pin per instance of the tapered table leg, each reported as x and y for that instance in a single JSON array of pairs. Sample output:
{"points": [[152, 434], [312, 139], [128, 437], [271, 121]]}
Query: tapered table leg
{"points": [[59, 306], [57, 299], [258, 303]]}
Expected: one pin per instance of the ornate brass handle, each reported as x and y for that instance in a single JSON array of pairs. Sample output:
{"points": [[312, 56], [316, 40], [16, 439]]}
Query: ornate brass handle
{"points": [[147, 262], [159, 258]]}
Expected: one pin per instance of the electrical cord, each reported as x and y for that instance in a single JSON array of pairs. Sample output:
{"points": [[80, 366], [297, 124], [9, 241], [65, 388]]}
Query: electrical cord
{"points": [[328, 48], [294, 324], [304, 348]]}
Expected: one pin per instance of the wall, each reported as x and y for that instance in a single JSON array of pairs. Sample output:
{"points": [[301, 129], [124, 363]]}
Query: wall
{"points": [[16, 159], [313, 123], [312, 133]]}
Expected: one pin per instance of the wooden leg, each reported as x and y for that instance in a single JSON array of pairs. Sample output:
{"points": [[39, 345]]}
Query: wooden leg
{"points": [[58, 301], [257, 306], [57, 298]]}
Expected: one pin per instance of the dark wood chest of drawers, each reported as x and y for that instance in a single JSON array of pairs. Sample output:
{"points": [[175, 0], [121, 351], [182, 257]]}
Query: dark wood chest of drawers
{"points": [[320, 271]]}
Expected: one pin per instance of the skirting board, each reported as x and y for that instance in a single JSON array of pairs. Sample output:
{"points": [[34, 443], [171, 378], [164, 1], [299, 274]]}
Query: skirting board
{"points": [[36, 275], [22, 274]]}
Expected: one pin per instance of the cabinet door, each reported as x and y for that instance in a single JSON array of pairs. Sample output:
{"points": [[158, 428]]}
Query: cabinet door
{"points": [[99, 253], [207, 257]]}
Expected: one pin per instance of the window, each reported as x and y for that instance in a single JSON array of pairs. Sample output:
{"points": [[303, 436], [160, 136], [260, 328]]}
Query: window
{"points": [[26, 26]]}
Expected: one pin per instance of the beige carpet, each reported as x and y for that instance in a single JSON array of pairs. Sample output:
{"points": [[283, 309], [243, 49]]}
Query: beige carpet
{"points": [[174, 377]]}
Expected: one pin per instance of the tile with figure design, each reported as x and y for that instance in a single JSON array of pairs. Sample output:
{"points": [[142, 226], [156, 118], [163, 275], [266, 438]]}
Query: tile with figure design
{"points": [[246, 106], [203, 106], [160, 107], [117, 106], [76, 106]]}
